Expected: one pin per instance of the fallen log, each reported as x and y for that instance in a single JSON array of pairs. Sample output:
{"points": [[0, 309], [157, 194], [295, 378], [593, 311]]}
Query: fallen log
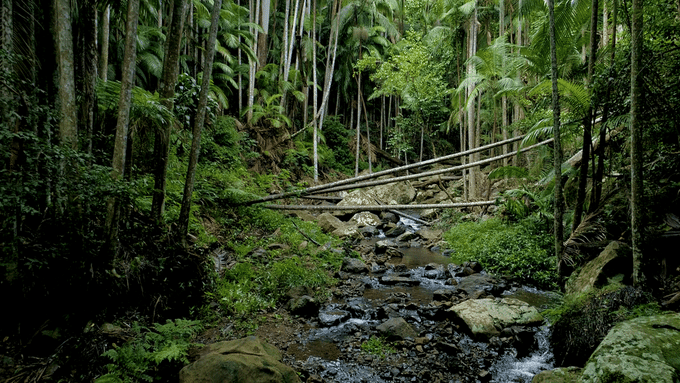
{"points": [[381, 207], [318, 189], [430, 173]]}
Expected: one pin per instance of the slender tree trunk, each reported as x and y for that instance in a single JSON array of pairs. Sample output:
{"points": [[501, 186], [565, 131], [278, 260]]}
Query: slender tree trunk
{"points": [[183, 224], [252, 70], [599, 174], [315, 98], [637, 196], [587, 123], [104, 57], [124, 102], [89, 65], [262, 36], [330, 63], [356, 163], [557, 160], [68, 122], [472, 49], [167, 93]]}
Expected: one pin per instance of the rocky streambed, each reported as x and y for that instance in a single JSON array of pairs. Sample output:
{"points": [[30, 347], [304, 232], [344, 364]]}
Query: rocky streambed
{"points": [[435, 321]]}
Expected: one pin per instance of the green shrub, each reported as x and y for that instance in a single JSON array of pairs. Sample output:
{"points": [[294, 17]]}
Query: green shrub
{"points": [[519, 250], [377, 346]]}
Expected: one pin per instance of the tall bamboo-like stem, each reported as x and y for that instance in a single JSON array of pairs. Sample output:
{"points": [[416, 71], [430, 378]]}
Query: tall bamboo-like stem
{"points": [[315, 138], [637, 190], [557, 161]]}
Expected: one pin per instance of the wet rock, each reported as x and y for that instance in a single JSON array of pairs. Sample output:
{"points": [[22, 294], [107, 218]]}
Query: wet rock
{"points": [[454, 270], [382, 246], [354, 266], [610, 263], [430, 234], [523, 339], [368, 231], [393, 280], [396, 329], [643, 349], [400, 268], [451, 282], [395, 231], [487, 317], [442, 295], [243, 360], [448, 252], [360, 308], [333, 317], [407, 236], [389, 217], [479, 284]]}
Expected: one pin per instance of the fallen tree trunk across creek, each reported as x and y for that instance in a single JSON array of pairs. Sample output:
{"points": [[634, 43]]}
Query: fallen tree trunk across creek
{"points": [[333, 186], [425, 174], [380, 207]]}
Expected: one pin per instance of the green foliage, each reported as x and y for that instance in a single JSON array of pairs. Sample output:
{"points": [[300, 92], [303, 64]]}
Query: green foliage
{"points": [[150, 351], [521, 250], [377, 346]]}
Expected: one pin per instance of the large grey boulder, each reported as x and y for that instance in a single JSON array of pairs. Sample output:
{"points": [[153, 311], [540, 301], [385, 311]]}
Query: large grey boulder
{"points": [[487, 317], [644, 349], [328, 222], [613, 261], [366, 219], [398, 193], [396, 329], [242, 360], [353, 265]]}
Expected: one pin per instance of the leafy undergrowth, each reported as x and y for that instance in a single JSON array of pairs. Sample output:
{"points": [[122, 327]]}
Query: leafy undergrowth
{"points": [[522, 250], [152, 353], [273, 254]]}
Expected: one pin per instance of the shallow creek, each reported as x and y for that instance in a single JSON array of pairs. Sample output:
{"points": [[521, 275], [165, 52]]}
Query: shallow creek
{"points": [[330, 348]]}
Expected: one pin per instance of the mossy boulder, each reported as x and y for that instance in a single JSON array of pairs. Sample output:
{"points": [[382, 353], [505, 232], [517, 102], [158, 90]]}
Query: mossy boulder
{"points": [[239, 361], [613, 263], [487, 317], [644, 349], [559, 375]]}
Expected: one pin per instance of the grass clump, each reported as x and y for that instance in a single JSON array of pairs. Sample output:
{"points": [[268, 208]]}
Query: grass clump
{"points": [[521, 250], [377, 346]]}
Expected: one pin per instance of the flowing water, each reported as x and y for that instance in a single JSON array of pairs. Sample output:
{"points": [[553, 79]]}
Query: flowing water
{"points": [[332, 347]]}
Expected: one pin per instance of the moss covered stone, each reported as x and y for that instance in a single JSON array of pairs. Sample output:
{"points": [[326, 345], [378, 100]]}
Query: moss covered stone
{"points": [[644, 349], [246, 360], [487, 317], [613, 261], [559, 375]]}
